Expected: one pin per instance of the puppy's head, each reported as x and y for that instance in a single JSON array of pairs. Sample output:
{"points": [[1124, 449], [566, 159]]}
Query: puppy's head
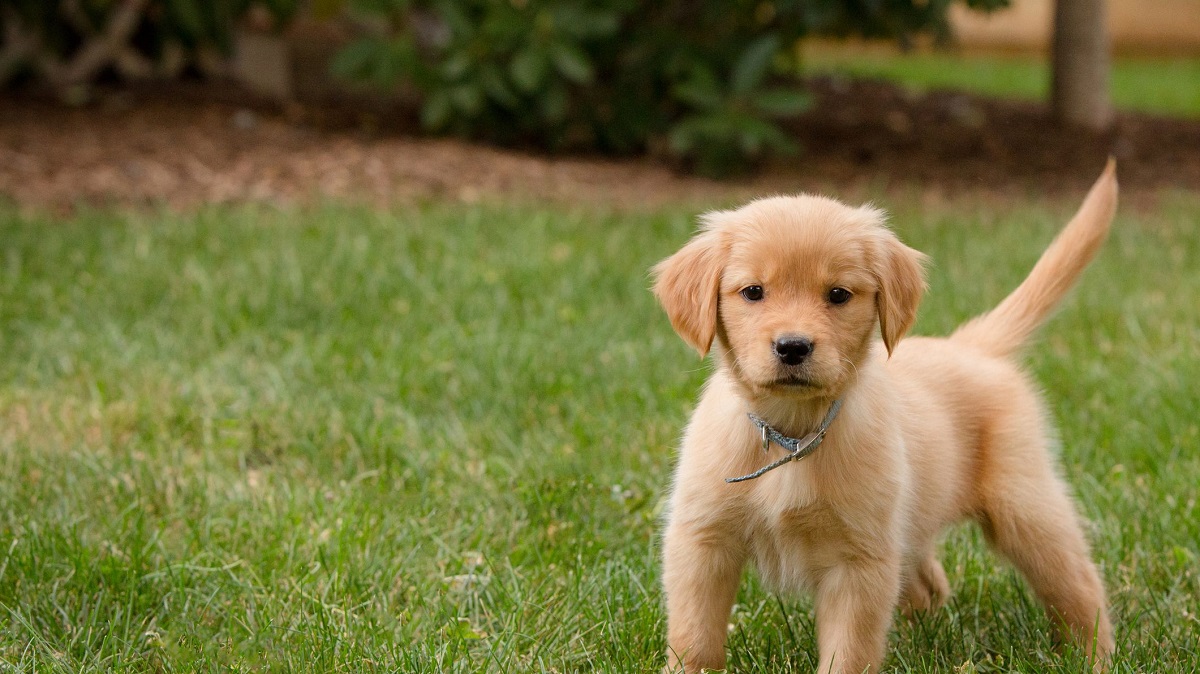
{"points": [[791, 289]]}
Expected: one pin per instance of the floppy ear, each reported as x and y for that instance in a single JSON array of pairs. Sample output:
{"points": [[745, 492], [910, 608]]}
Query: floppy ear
{"points": [[687, 283], [900, 272]]}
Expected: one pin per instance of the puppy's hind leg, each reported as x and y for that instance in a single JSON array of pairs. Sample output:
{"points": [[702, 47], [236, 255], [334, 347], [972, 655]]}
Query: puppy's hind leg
{"points": [[1028, 516]]}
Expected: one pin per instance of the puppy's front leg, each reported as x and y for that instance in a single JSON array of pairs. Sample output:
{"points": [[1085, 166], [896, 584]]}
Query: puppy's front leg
{"points": [[855, 602], [701, 571]]}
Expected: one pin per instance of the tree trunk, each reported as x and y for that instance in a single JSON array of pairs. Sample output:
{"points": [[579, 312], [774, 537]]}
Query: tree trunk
{"points": [[1079, 86]]}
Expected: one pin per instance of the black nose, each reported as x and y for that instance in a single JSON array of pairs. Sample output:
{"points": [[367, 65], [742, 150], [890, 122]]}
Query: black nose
{"points": [[792, 350]]}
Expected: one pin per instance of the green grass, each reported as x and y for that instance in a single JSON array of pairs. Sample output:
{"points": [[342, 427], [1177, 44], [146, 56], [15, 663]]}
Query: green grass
{"points": [[1168, 86], [437, 440]]}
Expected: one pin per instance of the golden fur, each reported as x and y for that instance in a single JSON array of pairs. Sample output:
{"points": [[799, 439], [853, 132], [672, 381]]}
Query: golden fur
{"points": [[932, 431]]}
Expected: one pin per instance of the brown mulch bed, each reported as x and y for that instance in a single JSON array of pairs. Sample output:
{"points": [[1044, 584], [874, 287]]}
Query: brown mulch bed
{"points": [[961, 141], [183, 146]]}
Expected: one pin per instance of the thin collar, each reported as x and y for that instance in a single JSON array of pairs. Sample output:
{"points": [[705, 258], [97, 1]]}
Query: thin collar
{"points": [[798, 448]]}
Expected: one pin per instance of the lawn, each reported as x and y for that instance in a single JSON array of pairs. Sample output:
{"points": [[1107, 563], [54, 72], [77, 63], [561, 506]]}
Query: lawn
{"points": [[437, 439], [1163, 85]]}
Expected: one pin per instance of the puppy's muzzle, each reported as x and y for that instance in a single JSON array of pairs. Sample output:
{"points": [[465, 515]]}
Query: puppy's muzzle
{"points": [[792, 349]]}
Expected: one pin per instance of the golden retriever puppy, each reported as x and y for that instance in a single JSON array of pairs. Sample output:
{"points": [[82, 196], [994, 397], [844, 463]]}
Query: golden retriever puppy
{"points": [[914, 435]]}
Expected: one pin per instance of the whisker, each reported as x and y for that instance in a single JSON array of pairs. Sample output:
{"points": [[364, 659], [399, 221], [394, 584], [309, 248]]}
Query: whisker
{"points": [[852, 367]]}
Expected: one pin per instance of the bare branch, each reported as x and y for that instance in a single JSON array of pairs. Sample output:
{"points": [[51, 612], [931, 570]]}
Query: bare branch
{"points": [[102, 49]]}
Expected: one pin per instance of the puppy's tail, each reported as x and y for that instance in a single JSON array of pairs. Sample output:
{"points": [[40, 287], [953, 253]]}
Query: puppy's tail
{"points": [[1003, 330]]}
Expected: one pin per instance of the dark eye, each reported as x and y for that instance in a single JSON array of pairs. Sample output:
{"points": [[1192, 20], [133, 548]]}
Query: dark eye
{"points": [[839, 296], [752, 293]]}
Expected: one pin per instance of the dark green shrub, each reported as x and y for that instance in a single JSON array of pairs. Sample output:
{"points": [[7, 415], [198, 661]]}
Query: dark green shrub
{"points": [[702, 80]]}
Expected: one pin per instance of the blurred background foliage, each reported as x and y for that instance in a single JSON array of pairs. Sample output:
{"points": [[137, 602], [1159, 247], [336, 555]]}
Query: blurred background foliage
{"points": [[702, 82], [69, 45]]}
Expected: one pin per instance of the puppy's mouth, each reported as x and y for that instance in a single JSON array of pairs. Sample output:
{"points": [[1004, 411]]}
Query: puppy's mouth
{"points": [[793, 381]]}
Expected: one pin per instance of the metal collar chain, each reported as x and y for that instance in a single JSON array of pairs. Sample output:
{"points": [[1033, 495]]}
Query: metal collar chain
{"points": [[798, 448]]}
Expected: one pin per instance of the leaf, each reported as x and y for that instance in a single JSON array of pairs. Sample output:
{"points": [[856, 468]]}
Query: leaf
{"points": [[357, 60], [781, 102], [697, 130], [720, 144], [496, 88], [380, 62], [436, 111], [467, 98], [701, 90], [528, 68], [757, 136], [753, 64], [283, 10], [572, 62], [456, 65], [400, 60], [188, 18], [681, 140], [460, 25], [583, 23], [554, 104]]}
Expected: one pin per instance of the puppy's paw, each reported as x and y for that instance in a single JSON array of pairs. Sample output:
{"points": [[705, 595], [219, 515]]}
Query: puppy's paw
{"points": [[926, 590]]}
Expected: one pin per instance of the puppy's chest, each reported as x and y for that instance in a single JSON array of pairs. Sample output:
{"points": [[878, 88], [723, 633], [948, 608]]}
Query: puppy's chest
{"points": [[793, 543]]}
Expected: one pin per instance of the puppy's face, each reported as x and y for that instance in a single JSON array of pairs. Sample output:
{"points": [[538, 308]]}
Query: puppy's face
{"points": [[791, 289]]}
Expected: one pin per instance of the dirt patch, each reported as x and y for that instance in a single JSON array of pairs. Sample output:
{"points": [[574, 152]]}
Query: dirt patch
{"points": [[961, 142], [190, 148], [185, 146]]}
